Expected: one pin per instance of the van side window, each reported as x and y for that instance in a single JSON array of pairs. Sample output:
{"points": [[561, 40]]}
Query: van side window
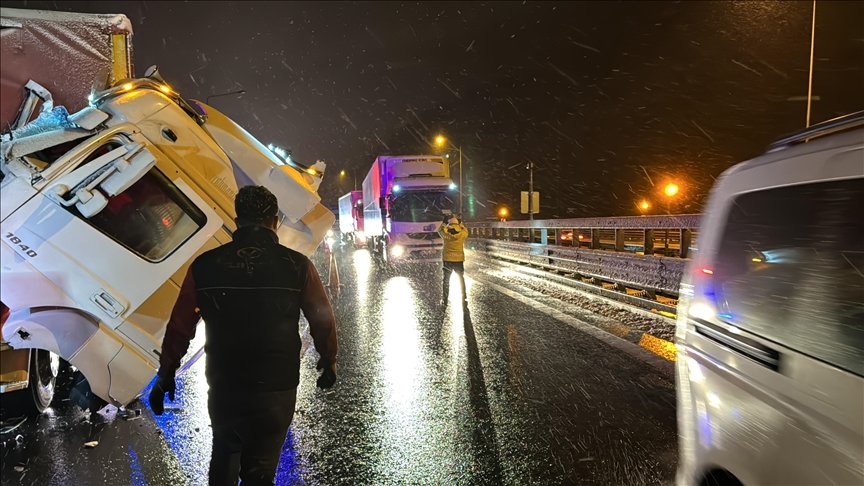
{"points": [[790, 268], [152, 218]]}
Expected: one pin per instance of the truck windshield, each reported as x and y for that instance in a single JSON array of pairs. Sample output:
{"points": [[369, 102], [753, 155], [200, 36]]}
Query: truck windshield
{"points": [[420, 207]]}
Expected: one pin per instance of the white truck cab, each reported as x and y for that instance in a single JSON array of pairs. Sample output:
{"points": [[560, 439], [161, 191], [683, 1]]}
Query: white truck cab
{"points": [[104, 210]]}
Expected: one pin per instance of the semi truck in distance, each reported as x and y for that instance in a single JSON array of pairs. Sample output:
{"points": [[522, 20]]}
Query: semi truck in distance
{"points": [[405, 199], [351, 219]]}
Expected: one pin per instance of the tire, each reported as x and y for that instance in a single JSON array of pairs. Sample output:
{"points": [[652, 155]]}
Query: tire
{"points": [[385, 257], [44, 368]]}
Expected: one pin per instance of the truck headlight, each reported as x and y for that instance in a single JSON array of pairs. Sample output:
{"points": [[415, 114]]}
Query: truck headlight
{"points": [[397, 251]]}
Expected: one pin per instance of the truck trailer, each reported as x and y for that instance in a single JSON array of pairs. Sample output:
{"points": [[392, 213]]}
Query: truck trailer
{"points": [[405, 199], [351, 219]]}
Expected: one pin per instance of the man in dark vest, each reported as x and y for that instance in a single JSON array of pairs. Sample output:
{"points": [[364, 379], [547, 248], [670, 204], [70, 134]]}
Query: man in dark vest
{"points": [[250, 293]]}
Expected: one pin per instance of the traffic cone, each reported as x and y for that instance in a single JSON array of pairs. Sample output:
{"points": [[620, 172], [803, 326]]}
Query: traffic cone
{"points": [[333, 278]]}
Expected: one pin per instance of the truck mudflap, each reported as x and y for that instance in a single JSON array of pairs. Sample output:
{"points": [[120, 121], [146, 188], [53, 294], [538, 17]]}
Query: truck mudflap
{"points": [[13, 362]]}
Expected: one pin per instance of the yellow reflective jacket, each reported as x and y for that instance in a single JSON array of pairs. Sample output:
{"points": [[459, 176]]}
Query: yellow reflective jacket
{"points": [[454, 250]]}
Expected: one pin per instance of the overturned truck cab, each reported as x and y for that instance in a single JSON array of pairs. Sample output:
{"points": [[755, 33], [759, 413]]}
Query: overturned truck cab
{"points": [[104, 210]]}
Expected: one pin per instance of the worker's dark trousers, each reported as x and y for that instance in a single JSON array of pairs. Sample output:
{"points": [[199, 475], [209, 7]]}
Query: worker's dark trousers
{"points": [[249, 429], [459, 268]]}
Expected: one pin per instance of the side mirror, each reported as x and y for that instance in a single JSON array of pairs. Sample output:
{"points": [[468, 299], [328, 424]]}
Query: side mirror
{"points": [[382, 203]]}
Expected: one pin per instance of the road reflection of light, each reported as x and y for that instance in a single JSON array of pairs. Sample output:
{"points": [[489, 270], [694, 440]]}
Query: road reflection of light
{"points": [[400, 342], [137, 476], [362, 262], [186, 421], [457, 327], [362, 267]]}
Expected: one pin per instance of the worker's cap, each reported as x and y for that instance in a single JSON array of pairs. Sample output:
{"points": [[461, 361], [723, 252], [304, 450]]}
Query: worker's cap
{"points": [[454, 220], [255, 204]]}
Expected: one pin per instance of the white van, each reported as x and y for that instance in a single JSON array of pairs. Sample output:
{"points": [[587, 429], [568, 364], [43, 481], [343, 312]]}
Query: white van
{"points": [[770, 330]]}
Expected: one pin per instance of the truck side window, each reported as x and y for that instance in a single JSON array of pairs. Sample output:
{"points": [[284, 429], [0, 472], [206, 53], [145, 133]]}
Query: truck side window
{"points": [[790, 268], [152, 218]]}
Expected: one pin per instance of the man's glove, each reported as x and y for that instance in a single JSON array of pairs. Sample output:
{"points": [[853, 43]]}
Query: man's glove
{"points": [[157, 394], [328, 375]]}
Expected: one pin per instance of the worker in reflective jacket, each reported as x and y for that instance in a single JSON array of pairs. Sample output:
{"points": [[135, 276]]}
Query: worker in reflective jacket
{"points": [[250, 293], [454, 234]]}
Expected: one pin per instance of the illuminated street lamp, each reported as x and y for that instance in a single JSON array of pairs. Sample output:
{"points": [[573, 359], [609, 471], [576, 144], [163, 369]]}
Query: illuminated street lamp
{"points": [[644, 205], [441, 142], [344, 173], [671, 189], [503, 213]]}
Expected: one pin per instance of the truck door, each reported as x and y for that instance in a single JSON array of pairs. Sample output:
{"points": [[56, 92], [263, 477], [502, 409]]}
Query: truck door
{"points": [[114, 228]]}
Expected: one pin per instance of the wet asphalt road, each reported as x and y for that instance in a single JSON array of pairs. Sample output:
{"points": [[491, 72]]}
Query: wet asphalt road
{"points": [[500, 394]]}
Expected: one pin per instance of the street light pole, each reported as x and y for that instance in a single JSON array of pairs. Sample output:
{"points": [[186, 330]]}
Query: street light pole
{"points": [[812, 45], [460, 182], [530, 168], [238, 92]]}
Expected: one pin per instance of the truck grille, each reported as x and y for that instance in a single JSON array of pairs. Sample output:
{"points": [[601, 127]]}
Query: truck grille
{"points": [[423, 236]]}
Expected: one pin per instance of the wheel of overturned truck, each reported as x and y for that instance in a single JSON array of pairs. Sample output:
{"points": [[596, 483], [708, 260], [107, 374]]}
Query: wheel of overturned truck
{"points": [[385, 256], [32, 401], [44, 368]]}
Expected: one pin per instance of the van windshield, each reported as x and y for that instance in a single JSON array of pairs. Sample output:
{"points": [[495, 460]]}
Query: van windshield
{"points": [[420, 207]]}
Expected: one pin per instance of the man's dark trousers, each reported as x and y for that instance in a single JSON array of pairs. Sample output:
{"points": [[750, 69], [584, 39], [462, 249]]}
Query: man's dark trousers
{"points": [[256, 422]]}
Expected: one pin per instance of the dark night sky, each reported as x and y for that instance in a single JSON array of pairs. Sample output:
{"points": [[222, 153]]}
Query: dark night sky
{"points": [[609, 99]]}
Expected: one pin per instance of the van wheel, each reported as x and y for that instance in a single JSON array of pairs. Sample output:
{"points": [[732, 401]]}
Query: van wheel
{"points": [[720, 477]]}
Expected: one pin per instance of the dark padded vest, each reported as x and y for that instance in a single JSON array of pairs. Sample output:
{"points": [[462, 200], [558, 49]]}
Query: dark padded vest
{"points": [[249, 295]]}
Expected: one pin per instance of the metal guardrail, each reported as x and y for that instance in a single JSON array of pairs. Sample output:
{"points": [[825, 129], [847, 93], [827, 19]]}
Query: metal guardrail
{"points": [[638, 259], [672, 235], [652, 274]]}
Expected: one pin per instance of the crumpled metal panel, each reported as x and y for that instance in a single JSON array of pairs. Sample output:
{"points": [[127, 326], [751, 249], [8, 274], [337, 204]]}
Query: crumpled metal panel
{"points": [[68, 53]]}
